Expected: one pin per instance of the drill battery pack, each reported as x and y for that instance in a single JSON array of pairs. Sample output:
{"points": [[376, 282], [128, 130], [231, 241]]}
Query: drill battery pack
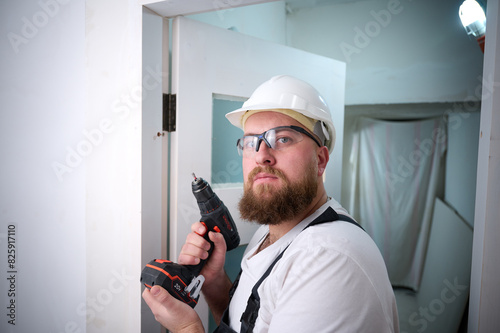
{"points": [[171, 276]]}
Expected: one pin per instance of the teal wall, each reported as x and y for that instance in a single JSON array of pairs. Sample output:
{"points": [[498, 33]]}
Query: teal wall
{"points": [[226, 163]]}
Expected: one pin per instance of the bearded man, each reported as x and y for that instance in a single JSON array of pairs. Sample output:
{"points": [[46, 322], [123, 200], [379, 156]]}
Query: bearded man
{"points": [[309, 267]]}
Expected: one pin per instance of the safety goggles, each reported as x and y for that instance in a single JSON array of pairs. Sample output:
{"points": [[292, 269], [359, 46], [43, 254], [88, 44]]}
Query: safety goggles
{"points": [[277, 138]]}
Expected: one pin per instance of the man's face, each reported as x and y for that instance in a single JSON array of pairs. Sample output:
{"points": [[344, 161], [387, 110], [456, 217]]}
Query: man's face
{"points": [[279, 184]]}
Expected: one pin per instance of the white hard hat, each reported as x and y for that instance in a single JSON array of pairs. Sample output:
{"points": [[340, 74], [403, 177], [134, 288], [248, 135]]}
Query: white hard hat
{"points": [[285, 92]]}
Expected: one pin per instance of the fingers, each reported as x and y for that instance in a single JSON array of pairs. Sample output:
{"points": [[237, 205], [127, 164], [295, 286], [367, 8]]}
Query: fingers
{"points": [[199, 228], [196, 247], [158, 300], [171, 313]]}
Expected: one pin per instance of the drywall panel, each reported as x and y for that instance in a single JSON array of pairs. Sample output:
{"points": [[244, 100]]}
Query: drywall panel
{"points": [[42, 192], [485, 291], [461, 163], [154, 146], [172, 8], [266, 21], [115, 88], [396, 51]]}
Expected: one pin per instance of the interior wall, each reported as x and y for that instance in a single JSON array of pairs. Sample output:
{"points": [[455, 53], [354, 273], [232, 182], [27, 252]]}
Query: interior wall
{"points": [[397, 51], [266, 21], [42, 192], [485, 291], [154, 146], [116, 87], [461, 163]]}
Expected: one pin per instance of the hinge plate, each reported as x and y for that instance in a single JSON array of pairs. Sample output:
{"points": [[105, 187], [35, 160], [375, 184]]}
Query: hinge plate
{"points": [[169, 109]]}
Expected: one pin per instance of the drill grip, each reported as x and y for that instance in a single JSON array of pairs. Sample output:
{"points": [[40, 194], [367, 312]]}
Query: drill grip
{"points": [[220, 221]]}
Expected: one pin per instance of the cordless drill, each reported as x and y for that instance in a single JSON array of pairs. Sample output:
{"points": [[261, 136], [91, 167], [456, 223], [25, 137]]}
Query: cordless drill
{"points": [[184, 282]]}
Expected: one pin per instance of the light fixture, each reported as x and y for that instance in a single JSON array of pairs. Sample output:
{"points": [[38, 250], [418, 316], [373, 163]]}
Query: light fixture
{"points": [[474, 20]]}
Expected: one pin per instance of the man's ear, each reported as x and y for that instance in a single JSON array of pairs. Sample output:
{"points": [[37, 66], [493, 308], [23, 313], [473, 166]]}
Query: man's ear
{"points": [[323, 158]]}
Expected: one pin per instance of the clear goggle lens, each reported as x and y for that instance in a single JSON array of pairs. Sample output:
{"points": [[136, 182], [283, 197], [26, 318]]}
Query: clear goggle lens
{"points": [[277, 138]]}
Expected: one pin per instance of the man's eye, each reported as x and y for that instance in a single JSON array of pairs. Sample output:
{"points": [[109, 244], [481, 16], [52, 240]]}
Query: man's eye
{"points": [[284, 140], [249, 144]]}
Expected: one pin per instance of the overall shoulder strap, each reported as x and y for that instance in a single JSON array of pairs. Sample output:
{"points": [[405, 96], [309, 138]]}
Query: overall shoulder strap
{"points": [[330, 215], [249, 317]]}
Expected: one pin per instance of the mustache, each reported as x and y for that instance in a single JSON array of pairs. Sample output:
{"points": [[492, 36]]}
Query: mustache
{"points": [[266, 169]]}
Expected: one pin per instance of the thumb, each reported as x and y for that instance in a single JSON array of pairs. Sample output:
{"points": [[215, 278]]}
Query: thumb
{"points": [[218, 256], [156, 290], [158, 295], [219, 241], [171, 313]]}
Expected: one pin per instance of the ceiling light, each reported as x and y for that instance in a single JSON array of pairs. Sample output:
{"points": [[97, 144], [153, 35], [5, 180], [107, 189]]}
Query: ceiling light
{"points": [[474, 20]]}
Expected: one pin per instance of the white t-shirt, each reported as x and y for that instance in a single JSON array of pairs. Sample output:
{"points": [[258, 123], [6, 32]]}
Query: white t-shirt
{"points": [[332, 278]]}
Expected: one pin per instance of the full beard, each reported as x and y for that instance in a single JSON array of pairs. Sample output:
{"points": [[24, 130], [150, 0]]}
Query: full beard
{"points": [[267, 205]]}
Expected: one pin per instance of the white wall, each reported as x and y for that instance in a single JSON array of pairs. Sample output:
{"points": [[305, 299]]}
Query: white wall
{"points": [[485, 291], [397, 51], [71, 93], [154, 147], [115, 90], [461, 162], [42, 192], [266, 21]]}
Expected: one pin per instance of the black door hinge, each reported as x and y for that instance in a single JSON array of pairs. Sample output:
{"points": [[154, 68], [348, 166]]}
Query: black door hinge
{"points": [[169, 106]]}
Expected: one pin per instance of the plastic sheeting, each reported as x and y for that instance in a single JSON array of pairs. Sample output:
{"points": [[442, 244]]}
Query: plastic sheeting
{"points": [[396, 169]]}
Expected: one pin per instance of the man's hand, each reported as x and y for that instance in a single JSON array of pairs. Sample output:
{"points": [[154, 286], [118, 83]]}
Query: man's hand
{"points": [[196, 248], [217, 284], [174, 315]]}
